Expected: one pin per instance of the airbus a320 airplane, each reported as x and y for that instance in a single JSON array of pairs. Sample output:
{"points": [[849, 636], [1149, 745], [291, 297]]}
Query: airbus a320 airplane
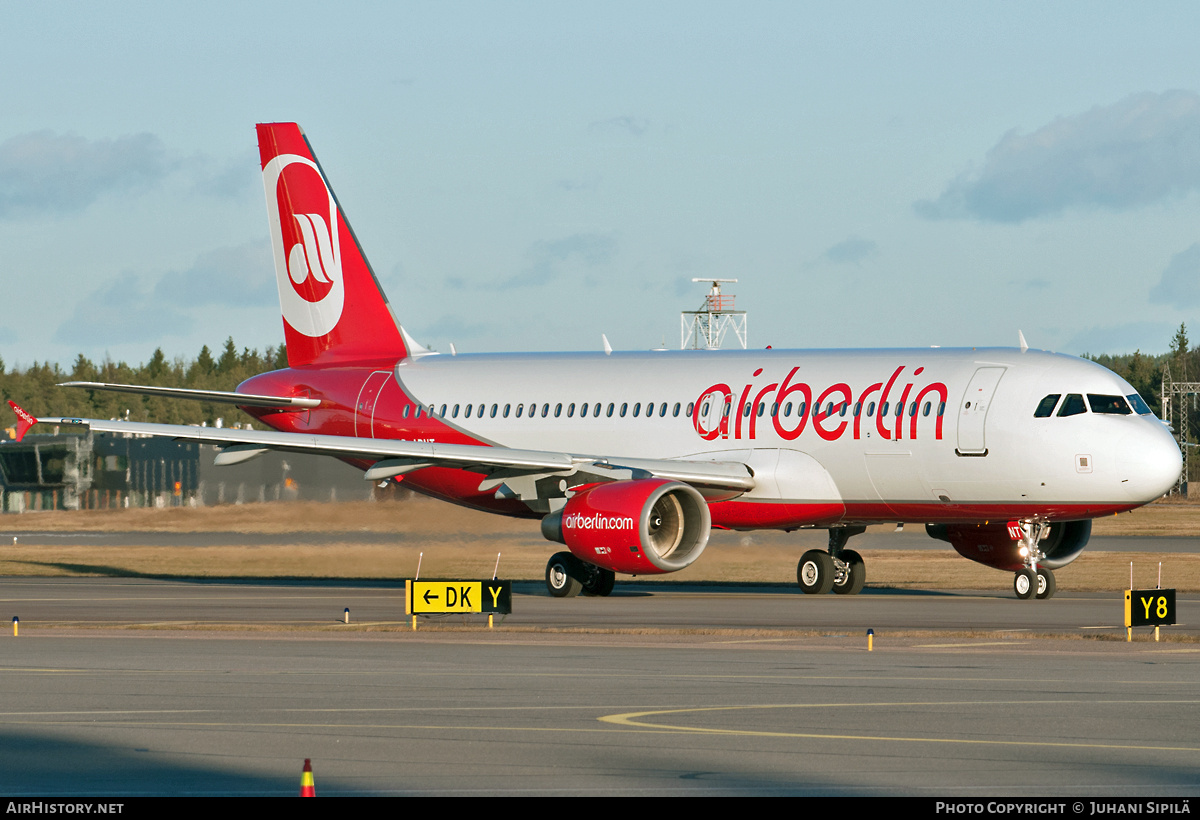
{"points": [[630, 459]]}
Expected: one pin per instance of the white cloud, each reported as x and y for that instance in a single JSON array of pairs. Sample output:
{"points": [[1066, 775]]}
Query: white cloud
{"points": [[551, 259], [234, 276], [44, 172], [634, 126], [129, 310], [1180, 282], [121, 312], [1142, 149], [225, 178], [850, 251]]}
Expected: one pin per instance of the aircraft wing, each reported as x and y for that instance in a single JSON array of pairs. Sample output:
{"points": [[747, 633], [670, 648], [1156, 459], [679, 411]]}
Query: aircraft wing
{"points": [[220, 396], [393, 456]]}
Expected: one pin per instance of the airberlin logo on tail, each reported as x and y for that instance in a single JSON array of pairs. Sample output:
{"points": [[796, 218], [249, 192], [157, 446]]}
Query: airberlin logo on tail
{"points": [[836, 411], [304, 237], [314, 257]]}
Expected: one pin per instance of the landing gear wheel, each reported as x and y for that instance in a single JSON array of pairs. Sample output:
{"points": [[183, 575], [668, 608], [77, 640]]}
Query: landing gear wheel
{"points": [[598, 581], [563, 572], [815, 572], [1046, 585], [850, 582], [1025, 584]]}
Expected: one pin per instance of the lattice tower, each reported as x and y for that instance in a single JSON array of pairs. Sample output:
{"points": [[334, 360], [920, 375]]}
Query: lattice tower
{"points": [[706, 328], [1175, 412]]}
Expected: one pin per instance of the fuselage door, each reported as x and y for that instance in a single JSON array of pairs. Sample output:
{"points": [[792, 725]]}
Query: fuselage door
{"points": [[972, 411], [364, 410]]}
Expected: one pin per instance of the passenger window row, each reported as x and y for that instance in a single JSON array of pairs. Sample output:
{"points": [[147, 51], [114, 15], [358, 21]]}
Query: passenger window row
{"points": [[831, 409], [661, 410], [545, 410]]}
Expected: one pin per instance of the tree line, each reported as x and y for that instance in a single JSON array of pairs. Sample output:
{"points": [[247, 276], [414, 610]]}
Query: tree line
{"points": [[34, 388], [1146, 372]]}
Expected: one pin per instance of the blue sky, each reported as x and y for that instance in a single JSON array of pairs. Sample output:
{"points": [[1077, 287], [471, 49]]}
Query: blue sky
{"points": [[527, 176]]}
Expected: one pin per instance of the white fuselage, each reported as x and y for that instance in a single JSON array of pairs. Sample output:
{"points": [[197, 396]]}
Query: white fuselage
{"points": [[987, 447]]}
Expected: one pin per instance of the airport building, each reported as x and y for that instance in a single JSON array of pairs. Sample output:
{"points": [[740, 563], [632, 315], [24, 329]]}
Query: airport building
{"points": [[107, 471]]}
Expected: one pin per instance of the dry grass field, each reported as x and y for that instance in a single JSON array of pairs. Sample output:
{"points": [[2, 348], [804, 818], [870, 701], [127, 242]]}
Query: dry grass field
{"points": [[454, 542], [1166, 517]]}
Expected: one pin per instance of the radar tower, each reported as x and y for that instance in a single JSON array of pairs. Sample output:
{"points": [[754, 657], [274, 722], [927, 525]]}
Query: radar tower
{"points": [[706, 328]]}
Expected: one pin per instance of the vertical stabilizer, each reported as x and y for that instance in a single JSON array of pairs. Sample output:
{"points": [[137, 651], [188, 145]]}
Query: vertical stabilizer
{"points": [[334, 312], [24, 420]]}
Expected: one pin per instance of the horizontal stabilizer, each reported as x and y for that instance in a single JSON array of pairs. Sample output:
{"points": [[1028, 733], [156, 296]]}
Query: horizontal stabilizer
{"points": [[218, 396]]}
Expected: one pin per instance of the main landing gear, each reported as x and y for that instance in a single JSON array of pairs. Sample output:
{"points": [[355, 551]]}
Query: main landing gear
{"points": [[1033, 581], [567, 576], [839, 570]]}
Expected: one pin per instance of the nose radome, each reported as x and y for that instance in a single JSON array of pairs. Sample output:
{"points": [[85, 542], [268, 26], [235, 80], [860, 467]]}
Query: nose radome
{"points": [[1150, 462]]}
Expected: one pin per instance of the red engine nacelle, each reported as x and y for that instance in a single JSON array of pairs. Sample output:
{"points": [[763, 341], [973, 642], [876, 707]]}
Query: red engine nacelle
{"points": [[641, 527], [993, 545]]}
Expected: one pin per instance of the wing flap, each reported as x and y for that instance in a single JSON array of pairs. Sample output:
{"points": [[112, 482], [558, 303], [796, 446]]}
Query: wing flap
{"points": [[729, 475]]}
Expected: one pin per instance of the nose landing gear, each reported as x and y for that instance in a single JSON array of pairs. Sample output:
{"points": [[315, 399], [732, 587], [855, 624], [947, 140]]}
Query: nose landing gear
{"points": [[1046, 585], [1032, 581], [1025, 584]]}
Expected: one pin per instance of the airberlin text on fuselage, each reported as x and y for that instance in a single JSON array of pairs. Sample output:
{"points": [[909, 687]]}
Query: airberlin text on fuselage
{"points": [[870, 407]]}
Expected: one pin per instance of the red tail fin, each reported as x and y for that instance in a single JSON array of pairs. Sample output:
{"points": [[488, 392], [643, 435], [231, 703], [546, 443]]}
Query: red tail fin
{"points": [[24, 420], [334, 312]]}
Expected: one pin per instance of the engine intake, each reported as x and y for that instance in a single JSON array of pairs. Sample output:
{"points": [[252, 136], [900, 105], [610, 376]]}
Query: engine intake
{"points": [[641, 527]]}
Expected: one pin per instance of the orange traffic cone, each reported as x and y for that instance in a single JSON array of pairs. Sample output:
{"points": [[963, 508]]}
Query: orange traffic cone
{"points": [[307, 787]]}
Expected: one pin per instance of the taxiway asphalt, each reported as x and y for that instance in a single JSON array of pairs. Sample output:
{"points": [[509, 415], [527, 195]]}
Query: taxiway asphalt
{"points": [[913, 538], [663, 605], [133, 686]]}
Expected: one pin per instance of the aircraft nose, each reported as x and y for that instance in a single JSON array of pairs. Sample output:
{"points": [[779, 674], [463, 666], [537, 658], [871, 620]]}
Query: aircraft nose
{"points": [[1150, 462]]}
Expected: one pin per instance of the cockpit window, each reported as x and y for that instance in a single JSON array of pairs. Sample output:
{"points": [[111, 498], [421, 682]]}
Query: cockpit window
{"points": [[1110, 405], [1139, 405], [1072, 405], [1045, 408]]}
